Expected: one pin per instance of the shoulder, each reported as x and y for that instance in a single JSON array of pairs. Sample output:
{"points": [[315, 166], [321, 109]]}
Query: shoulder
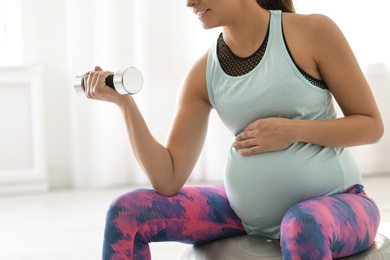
{"points": [[317, 32], [311, 24], [196, 75], [194, 84]]}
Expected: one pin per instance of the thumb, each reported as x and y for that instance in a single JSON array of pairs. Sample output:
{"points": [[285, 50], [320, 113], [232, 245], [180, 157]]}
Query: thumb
{"points": [[97, 68]]}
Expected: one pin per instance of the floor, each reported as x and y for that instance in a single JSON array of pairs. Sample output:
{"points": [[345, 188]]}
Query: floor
{"points": [[68, 224]]}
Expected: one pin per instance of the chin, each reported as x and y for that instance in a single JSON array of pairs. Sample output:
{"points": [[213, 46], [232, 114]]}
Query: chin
{"points": [[208, 26]]}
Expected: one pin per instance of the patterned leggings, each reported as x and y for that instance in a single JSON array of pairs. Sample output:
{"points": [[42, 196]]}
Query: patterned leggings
{"points": [[321, 228]]}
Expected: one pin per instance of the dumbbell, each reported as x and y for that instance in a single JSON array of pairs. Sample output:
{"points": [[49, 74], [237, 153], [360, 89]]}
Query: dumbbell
{"points": [[125, 81]]}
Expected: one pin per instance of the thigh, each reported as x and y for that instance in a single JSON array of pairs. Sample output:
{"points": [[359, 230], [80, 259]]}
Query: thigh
{"points": [[336, 226], [195, 215]]}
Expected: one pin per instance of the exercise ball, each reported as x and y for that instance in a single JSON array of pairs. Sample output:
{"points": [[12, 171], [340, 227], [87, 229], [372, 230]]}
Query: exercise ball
{"points": [[257, 248]]}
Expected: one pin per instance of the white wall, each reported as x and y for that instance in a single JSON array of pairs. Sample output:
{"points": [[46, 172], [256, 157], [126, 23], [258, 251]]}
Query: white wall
{"points": [[363, 23], [86, 141], [44, 25], [87, 144], [375, 158]]}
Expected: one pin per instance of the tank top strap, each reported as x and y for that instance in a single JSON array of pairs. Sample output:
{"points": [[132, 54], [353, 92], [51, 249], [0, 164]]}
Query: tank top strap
{"points": [[276, 34]]}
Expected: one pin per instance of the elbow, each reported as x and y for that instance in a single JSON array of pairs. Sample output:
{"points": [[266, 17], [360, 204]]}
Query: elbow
{"points": [[166, 189], [377, 133], [163, 181]]}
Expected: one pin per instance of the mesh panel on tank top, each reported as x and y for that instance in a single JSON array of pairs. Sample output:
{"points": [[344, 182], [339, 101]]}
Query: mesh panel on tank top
{"points": [[236, 66]]}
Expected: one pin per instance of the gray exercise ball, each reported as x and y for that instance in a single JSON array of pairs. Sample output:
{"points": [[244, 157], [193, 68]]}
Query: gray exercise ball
{"points": [[257, 248]]}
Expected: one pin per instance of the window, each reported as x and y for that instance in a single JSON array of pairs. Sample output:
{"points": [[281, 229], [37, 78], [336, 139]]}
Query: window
{"points": [[10, 33]]}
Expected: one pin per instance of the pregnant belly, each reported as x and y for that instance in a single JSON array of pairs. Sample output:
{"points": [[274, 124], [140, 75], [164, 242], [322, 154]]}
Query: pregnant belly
{"points": [[262, 187]]}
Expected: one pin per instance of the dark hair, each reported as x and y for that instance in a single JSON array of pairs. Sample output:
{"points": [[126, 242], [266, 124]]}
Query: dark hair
{"points": [[284, 5]]}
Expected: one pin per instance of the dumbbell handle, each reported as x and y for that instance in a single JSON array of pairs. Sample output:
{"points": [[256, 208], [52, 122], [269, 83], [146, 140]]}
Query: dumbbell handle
{"points": [[110, 81], [124, 81]]}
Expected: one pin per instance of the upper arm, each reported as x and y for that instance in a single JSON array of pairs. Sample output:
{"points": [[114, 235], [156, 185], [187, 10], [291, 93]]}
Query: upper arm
{"points": [[189, 127], [340, 70]]}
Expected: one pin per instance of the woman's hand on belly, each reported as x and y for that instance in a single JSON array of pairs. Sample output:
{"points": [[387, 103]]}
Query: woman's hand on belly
{"points": [[265, 135]]}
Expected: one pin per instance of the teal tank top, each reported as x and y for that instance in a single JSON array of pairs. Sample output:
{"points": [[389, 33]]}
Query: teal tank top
{"points": [[262, 187]]}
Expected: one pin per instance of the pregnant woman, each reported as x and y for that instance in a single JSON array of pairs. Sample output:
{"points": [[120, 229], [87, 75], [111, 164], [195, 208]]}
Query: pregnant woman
{"points": [[271, 75]]}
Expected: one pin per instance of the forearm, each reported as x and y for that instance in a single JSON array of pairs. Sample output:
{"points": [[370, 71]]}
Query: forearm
{"points": [[153, 157], [348, 131]]}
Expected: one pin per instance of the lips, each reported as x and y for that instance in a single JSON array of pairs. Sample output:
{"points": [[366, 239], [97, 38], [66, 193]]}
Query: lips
{"points": [[200, 14]]}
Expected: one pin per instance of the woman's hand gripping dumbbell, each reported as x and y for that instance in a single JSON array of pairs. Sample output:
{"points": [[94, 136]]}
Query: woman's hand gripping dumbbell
{"points": [[125, 81]]}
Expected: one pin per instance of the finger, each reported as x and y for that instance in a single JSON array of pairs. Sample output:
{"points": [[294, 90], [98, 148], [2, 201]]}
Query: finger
{"points": [[92, 79], [251, 151], [246, 134], [103, 76], [99, 82], [87, 88], [242, 136], [97, 77], [244, 144], [107, 73], [250, 127], [97, 68]]}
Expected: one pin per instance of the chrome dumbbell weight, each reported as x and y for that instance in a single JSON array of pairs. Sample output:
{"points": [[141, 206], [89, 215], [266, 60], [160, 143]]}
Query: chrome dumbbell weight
{"points": [[124, 81]]}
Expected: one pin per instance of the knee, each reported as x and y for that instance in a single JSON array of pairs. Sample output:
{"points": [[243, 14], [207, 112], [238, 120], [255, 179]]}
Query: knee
{"points": [[300, 223], [302, 236], [129, 203]]}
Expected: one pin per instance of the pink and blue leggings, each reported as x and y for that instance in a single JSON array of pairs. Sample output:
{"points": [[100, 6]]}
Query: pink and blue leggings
{"points": [[321, 228]]}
